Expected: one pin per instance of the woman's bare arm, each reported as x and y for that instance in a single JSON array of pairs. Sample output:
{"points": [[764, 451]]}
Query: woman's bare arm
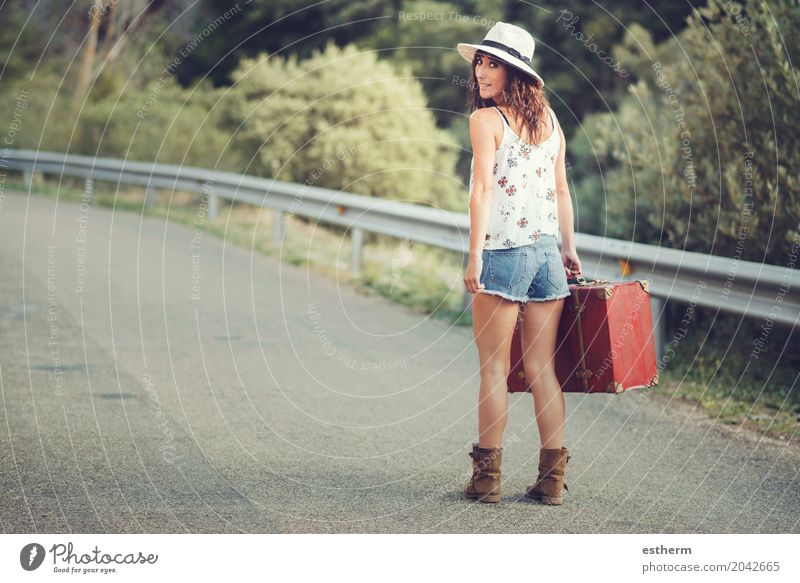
{"points": [[481, 132]]}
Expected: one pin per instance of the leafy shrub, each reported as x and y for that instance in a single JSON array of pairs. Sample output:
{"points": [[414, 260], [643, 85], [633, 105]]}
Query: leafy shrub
{"points": [[703, 152], [342, 119]]}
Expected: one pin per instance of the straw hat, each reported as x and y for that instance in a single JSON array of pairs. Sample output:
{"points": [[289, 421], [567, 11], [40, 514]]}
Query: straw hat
{"points": [[509, 43]]}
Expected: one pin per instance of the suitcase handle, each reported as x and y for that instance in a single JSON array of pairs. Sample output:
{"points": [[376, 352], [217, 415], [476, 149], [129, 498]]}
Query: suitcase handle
{"points": [[580, 280]]}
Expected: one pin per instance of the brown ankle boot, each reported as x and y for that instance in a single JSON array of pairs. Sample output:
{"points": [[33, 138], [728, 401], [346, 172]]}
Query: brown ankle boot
{"points": [[485, 482], [549, 484]]}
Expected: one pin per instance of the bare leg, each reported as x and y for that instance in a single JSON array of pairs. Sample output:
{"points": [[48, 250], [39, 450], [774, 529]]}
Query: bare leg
{"points": [[539, 331], [493, 320]]}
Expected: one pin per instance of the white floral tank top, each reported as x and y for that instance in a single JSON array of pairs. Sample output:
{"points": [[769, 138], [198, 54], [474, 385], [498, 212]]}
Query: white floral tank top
{"points": [[524, 205]]}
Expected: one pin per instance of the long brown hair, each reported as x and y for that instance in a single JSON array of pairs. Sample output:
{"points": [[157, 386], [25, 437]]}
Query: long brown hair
{"points": [[522, 93]]}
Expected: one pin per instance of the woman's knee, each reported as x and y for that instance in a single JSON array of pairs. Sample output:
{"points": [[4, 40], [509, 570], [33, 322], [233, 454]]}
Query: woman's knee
{"points": [[496, 369], [537, 370]]}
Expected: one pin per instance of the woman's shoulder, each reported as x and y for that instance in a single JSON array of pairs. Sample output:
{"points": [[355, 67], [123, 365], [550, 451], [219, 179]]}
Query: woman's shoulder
{"points": [[486, 121], [484, 114]]}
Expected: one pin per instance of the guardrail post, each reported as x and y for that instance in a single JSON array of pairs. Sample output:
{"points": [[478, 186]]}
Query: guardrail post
{"points": [[30, 178], [657, 310], [213, 205], [356, 245], [277, 227], [150, 196]]}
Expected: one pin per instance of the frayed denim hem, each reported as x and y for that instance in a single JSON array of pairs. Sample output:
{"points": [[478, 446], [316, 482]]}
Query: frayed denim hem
{"points": [[549, 299], [524, 300], [503, 295]]}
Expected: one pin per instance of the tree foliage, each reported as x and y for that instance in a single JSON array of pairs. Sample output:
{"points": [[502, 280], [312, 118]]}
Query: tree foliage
{"points": [[703, 153], [342, 119]]}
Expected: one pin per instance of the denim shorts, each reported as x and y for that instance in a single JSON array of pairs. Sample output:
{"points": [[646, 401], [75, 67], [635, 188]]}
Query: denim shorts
{"points": [[527, 273]]}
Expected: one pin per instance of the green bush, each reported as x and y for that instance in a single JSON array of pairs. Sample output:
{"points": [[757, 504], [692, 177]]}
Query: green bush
{"points": [[145, 116], [712, 111], [342, 119]]}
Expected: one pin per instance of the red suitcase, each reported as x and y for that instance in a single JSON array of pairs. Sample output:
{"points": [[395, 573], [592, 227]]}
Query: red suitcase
{"points": [[605, 340]]}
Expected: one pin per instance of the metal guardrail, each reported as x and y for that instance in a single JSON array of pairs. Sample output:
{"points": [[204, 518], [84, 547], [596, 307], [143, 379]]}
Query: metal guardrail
{"points": [[751, 289]]}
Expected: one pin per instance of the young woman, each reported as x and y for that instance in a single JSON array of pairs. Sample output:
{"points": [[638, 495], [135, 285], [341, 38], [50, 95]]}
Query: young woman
{"points": [[519, 198]]}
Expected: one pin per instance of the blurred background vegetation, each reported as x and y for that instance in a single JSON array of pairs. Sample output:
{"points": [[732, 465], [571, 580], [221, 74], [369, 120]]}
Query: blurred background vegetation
{"points": [[668, 108]]}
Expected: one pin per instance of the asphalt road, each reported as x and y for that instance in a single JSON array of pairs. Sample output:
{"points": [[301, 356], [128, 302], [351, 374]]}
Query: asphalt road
{"points": [[154, 379]]}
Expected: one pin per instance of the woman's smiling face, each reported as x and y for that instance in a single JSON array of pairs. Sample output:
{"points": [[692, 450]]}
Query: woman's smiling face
{"points": [[490, 74]]}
